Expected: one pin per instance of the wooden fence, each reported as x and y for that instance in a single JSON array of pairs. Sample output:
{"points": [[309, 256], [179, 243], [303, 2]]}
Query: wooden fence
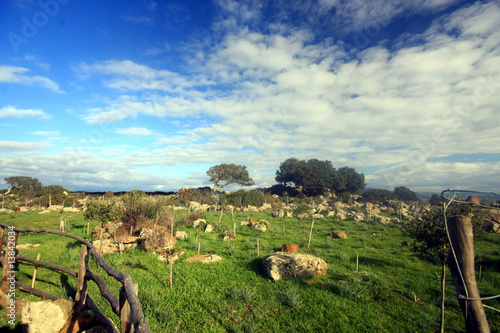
{"points": [[126, 305]]}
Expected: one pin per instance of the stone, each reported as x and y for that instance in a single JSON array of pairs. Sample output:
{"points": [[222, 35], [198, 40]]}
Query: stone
{"points": [[125, 239], [229, 238], [283, 264], [318, 216], [182, 235], [253, 223], [474, 200], [335, 234], [109, 246], [198, 222], [113, 226], [260, 227], [244, 223], [156, 238], [47, 316], [75, 325], [302, 216], [45, 211], [209, 228], [290, 247], [382, 219], [204, 258], [279, 213], [492, 223], [358, 217], [266, 206]]}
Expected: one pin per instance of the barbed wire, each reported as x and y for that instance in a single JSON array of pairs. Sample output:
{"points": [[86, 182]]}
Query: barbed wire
{"points": [[450, 201]]}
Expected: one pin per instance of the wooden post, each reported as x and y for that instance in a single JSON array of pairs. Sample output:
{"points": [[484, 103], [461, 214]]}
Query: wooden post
{"points": [[199, 248], [258, 248], [81, 287], [171, 263], [7, 270], [463, 273], [100, 238], [125, 313], [310, 234], [88, 228], [34, 272], [357, 263], [50, 201], [221, 213], [234, 223]]}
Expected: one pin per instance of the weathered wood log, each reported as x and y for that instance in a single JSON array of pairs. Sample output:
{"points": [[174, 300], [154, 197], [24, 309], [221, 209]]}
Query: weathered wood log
{"points": [[36, 292], [127, 326], [47, 265], [81, 287], [461, 263], [137, 315], [105, 321], [103, 288]]}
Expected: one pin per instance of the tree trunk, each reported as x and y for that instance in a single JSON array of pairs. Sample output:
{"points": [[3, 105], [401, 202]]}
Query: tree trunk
{"points": [[463, 273], [443, 292]]}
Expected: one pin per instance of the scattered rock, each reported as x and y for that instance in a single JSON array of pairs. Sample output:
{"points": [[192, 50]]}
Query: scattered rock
{"points": [[110, 246], [474, 200], [209, 228], [318, 216], [279, 213], [335, 234], [182, 235], [199, 222], [26, 246], [302, 216], [282, 264], [204, 258], [229, 238], [156, 238], [45, 211], [260, 227], [290, 248], [382, 219], [244, 223]]}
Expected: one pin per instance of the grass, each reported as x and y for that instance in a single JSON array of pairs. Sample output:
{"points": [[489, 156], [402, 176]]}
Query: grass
{"points": [[394, 290]]}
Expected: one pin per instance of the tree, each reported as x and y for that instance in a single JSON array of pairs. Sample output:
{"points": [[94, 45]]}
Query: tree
{"points": [[24, 184], [347, 179], [230, 174], [54, 189], [375, 195], [405, 194], [429, 238]]}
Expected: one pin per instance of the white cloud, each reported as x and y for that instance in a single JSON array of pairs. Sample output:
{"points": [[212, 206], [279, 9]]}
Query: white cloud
{"points": [[12, 112], [138, 131], [12, 74], [13, 146], [47, 133]]}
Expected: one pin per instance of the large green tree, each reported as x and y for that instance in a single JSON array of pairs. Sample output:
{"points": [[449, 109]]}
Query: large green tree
{"points": [[224, 174], [347, 179], [23, 183], [405, 194]]}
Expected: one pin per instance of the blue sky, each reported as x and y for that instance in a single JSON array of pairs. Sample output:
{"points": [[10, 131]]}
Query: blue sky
{"points": [[116, 95]]}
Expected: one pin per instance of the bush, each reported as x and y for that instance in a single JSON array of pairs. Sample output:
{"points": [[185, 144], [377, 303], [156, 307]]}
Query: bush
{"points": [[379, 196], [103, 211]]}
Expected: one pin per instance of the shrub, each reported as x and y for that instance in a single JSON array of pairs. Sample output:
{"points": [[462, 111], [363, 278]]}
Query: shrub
{"points": [[103, 211]]}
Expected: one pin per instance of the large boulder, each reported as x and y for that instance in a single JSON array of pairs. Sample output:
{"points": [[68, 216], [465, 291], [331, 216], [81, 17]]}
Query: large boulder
{"points": [[382, 219], [282, 264], [47, 316], [492, 223]]}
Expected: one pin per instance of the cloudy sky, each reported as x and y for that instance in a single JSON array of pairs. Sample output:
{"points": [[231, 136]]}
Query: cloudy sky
{"points": [[117, 95]]}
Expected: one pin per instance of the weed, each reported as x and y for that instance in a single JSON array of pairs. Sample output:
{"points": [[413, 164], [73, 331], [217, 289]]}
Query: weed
{"points": [[242, 293], [290, 297]]}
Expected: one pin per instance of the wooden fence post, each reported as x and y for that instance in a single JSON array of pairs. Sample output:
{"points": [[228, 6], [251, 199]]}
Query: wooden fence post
{"points": [[310, 234], [464, 278], [125, 313], [34, 272], [81, 287]]}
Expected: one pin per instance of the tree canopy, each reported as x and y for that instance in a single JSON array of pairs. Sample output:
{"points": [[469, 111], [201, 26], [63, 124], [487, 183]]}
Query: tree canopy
{"points": [[405, 194], [24, 184], [224, 174], [315, 176]]}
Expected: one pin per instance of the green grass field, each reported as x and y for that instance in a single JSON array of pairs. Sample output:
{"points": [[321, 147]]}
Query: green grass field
{"points": [[394, 290]]}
